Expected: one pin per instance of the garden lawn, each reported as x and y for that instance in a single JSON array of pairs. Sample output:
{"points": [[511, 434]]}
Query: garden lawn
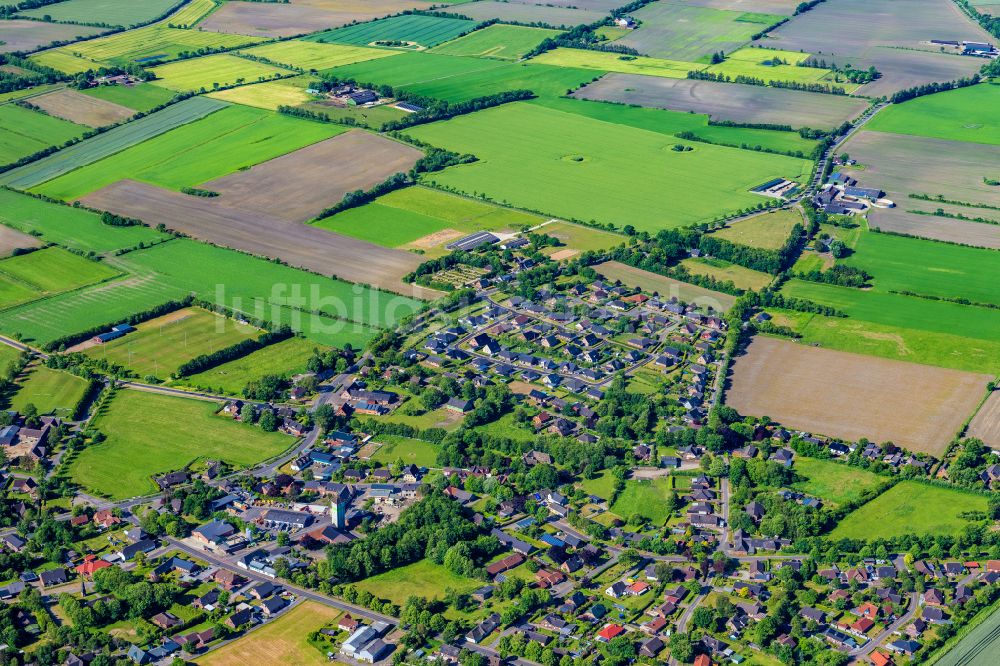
{"points": [[112, 12], [214, 71], [159, 346], [832, 481], [141, 97], [459, 79], [287, 357], [284, 641], [411, 451], [423, 579], [645, 497], [150, 434], [966, 114], [24, 132], [769, 231], [506, 426], [928, 267], [583, 169], [50, 391], [220, 144], [48, 271], [504, 42], [910, 507], [425, 31], [604, 61], [316, 55]]}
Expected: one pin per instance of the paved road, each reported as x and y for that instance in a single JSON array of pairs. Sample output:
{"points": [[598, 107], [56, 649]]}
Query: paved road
{"points": [[870, 646]]}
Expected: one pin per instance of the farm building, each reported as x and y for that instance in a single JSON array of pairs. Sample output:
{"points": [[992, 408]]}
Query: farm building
{"points": [[361, 97], [115, 333]]}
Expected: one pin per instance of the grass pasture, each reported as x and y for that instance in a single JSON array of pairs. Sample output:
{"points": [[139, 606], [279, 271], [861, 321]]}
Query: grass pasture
{"points": [[24, 132], [112, 12], [140, 97], [149, 434], [317, 54], [150, 44], [688, 32], [72, 227], [832, 481], [726, 101], [459, 79], [50, 391], [283, 358], [268, 95], [743, 278], [214, 71], [776, 65], [956, 115], [193, 12], [768, 231], [425, 31], [578, 168], [917, 407], [110, 142], [222, 143], [664, 286], [44, 272], [159, 346], [644, 497], [63, 61], [910, 507], [284, 641], [503, 42], [411, 451], [577, 238], [613, 62], [423, 579]]}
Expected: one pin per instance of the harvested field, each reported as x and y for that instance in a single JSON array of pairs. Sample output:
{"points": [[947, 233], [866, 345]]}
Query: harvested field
{"points": [[915, 406], [556, 17], [81, 109], [885, 34], [103, 145], [316, 54], [986, 424], [11, 239], [426, 31], [664, 286], [687, 32], [262, 235], [21, 35], [112, 12], [726, 101], [786, 7], [937, 228], [297, 186], [300, 17]]}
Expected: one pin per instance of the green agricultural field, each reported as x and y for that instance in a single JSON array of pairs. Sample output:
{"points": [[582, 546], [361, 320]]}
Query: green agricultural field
{"points": [[965, 114], [504, 42], [402, 217], [74, 228], [580, 238], [24, 132], [688, 32], [411, 451], [928, 267], [193, 12], [287, 357], [8, 355], [743, 278], [268, 95], [832, 481], [50, 391], [110, 142], [153, 43], [141, 97], [910, 507], [214, 71], [112, 12], [424, 31], [198, 267], [150, 434], [159, 346], [775, 65], [613, 62], [423, 579], [664, 286], [316, 55], [49, 271], [769, 231], [63, 61], [582, 169], [222, 143], [459, 79], [672, 122]]}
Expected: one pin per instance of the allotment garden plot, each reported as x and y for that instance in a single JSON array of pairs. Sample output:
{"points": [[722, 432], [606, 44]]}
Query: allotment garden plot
{"points": [[150, 434], [851, 396], [582, 169], [726, 101]]}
